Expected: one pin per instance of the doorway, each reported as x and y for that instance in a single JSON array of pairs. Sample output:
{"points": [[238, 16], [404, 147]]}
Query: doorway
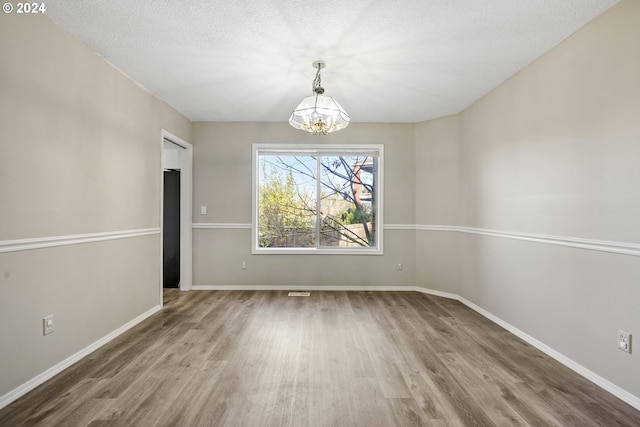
{"points": [[175, 213], [171, 230]]}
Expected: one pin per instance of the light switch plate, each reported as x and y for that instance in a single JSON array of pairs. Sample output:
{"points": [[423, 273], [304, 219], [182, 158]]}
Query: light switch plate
{"points": [[624, 341]]}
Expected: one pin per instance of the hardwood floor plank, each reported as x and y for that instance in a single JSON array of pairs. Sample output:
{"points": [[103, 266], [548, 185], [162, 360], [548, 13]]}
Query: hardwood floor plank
{"points": [[481, 386], [240, 358], [192, 402], [50, 412]]}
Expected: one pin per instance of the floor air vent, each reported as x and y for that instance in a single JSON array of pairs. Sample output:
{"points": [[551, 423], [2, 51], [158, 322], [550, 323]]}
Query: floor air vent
{"points": [[299, 294]]}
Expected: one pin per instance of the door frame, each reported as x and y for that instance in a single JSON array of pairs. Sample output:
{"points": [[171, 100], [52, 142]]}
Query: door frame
{"points": [[186, 197]]}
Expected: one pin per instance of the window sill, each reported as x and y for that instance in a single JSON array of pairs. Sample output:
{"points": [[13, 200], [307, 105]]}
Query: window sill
{"points": [[315, 251]]}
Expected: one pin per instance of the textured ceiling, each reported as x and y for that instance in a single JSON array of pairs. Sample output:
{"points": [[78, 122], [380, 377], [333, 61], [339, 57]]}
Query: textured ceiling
{"points": [[387, 60]]}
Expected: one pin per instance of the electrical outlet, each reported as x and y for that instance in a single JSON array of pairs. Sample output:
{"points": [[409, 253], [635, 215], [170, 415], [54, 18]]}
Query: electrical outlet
{"points": [[624, 341], [203, 210], [47, 325], [243, 265], [399, 266]]}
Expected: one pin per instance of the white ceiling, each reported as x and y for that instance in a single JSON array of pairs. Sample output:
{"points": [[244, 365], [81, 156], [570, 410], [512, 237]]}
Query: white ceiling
{"points": [[387, 60]]}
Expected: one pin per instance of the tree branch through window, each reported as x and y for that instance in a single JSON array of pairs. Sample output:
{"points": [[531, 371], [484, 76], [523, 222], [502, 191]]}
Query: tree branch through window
{"points": [[317, 200]]}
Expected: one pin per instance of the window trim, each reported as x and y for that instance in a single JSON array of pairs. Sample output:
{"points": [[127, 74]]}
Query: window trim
{"points": [[311, 149]]}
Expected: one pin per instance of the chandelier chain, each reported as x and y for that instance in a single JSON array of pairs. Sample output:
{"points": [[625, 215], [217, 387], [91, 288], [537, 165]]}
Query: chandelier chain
{"points": [[317, 82]]}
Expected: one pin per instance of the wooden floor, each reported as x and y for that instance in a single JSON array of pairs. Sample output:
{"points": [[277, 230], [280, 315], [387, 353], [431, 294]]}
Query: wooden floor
{"points": [[245, 358]]}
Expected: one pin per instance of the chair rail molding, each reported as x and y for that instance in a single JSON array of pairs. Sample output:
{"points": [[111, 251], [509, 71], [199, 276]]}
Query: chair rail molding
{"points": [[220, 225], [623, 248], [72, 239]]}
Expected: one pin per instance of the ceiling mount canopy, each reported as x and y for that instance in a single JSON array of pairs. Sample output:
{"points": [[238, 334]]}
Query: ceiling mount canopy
{"points": [[319, 114]]}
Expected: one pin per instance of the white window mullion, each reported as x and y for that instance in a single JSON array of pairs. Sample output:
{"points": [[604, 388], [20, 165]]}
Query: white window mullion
{"points": [[318, 197]]}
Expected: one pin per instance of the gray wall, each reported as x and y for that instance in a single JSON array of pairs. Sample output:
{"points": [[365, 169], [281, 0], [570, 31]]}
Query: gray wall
{"points": [[554, 151], [438, 205], [79, 154], [222, 182]]}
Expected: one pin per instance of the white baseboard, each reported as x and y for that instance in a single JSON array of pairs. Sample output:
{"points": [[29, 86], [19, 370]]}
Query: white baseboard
{"points": [[433, 292], [304, 288], [327, 288], [51, 372]]}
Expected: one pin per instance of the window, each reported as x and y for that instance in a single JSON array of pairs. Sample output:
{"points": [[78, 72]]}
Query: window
{"points": [[317, 199]]}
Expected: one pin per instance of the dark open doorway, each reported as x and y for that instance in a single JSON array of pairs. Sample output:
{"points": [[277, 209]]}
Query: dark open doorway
{"points": [[171, 229]]}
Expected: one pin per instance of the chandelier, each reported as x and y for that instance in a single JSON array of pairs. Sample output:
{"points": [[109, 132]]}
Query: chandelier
{"points": [[319, 114]]}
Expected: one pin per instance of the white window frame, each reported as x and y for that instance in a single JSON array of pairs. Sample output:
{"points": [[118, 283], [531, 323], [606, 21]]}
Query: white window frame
{"points": [[319, 149]]}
